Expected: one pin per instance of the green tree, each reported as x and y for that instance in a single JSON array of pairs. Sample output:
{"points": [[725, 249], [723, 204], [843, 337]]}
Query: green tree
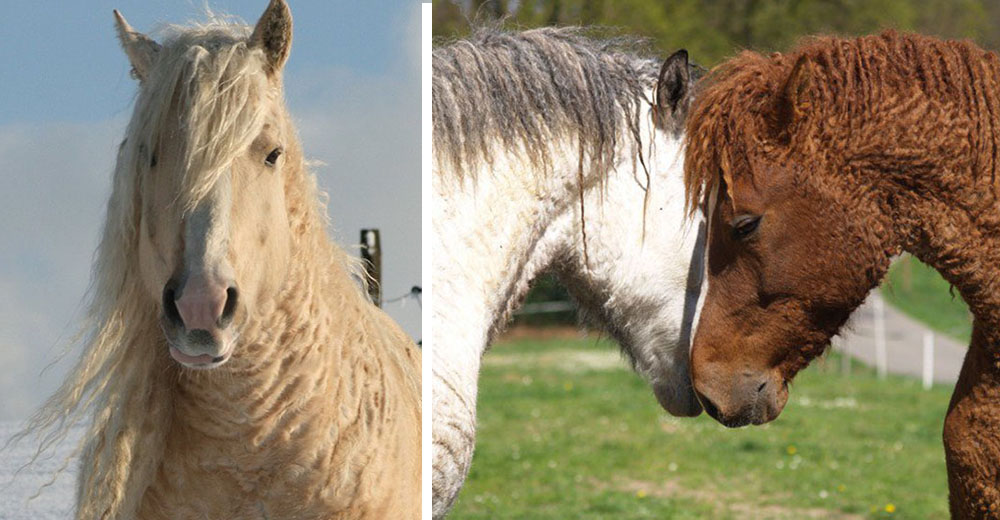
{"points": [[715, 30]]}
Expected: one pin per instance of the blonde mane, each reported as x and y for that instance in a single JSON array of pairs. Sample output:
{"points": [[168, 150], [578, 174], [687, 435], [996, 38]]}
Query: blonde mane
{"points": [[215, 83]]}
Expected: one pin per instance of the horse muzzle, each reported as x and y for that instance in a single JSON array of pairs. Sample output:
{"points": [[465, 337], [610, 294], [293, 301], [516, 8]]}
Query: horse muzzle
{"points": [[743, 398], [197, 321]]}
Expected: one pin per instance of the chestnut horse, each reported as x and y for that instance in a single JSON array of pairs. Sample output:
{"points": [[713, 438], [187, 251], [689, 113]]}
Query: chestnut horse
{"points": [[816, 168]]}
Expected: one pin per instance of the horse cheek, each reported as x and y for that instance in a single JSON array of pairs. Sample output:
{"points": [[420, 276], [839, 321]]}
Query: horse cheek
{"points": [[266, 269]]}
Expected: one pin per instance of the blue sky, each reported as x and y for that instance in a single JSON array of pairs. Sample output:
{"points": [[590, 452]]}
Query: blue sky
{"points": [[352, 84], [62, 62]]}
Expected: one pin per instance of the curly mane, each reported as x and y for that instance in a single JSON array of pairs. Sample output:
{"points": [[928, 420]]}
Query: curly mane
{"points": [[910, 76]]}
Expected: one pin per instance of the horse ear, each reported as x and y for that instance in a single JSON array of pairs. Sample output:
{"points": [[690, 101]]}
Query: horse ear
{"points": [[141, 49], [793, 100], [672, 87], [273, 34]]}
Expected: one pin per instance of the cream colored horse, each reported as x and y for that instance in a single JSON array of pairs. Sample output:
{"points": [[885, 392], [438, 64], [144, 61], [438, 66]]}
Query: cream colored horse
{"points": [[232, 367]]}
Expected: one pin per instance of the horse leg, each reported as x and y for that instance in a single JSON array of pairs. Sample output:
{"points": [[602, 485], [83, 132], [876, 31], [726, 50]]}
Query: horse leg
{"points": [[972, 434], [454, 426]]}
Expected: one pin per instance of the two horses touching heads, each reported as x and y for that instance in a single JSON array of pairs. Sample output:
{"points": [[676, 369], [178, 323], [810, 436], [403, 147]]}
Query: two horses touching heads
{"points": [[813, 170], [233, 368]]}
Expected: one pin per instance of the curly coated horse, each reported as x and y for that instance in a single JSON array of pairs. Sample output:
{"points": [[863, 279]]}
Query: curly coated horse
{"points": [[232, 367], [816, 168]]}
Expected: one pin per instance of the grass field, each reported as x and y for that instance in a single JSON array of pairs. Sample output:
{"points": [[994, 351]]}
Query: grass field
{"points": [[918, 290], [566, 431]]}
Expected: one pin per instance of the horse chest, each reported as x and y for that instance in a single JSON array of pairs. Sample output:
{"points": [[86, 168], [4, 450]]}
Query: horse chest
{"points": [[293, 493], [231, 480]]}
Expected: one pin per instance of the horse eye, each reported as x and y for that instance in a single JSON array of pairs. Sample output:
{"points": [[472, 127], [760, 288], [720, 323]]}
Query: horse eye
{"points": [[744, 226], [272, 157], [152, 161]]}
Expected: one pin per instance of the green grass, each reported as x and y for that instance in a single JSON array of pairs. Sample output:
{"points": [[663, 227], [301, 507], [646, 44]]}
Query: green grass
{"points": [[918, 290], [566, 432]]}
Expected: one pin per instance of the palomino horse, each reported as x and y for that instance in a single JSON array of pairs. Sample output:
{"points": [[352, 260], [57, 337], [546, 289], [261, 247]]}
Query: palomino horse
{"points": [[233, 368], [817, 167], [557, 151]]}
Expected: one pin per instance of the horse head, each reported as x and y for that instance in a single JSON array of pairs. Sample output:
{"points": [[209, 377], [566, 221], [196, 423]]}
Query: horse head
{"points": [[637, 271], [208, 149]]}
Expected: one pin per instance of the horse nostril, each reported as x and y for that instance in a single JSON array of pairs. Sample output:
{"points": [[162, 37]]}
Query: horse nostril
{"points": [[761, 387], [232, 298], [170, 305]]}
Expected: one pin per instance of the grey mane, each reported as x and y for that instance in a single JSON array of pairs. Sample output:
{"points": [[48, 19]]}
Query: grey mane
{"points": [[518, 92]]}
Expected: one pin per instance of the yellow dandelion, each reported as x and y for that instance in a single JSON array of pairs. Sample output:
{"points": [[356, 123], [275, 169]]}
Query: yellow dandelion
{"points": [[889, 508], [841, 488], [791, 449], [641, 493], [567, 386]]}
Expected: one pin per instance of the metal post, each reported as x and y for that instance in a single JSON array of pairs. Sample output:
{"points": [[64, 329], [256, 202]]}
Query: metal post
{"points": [[371, 253], [928, 360], [878, 308]]}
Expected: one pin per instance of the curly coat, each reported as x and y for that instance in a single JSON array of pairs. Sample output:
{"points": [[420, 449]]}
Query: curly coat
{"points": [[850, 151]]}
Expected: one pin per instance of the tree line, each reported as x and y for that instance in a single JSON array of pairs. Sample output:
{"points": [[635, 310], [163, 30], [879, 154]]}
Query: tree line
{"points": [[712, 30]]}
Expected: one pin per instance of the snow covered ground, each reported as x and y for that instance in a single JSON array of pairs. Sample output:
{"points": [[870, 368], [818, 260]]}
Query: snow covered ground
{"points": [[53, 502]]}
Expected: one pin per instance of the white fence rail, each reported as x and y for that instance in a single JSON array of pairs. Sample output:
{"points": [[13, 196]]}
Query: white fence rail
{"points": [[877, 335]]}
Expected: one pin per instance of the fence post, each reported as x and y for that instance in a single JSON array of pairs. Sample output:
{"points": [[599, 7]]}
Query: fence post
{"points": [[928, 360], [371, 253], [845, 355], [878, 309]]}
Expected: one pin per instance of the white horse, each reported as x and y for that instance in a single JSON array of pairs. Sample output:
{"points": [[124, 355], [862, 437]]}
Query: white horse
{"points": [[556, 151], [233, 368]]}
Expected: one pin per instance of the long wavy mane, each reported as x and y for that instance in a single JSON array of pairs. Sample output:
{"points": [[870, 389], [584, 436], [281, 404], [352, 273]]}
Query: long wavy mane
{"points": [[522, 90]]}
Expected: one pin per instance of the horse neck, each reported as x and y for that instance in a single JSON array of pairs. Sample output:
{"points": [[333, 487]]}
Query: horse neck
{"points": [[960, 238], [523, 224], [931, 161], [496, 232]]}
